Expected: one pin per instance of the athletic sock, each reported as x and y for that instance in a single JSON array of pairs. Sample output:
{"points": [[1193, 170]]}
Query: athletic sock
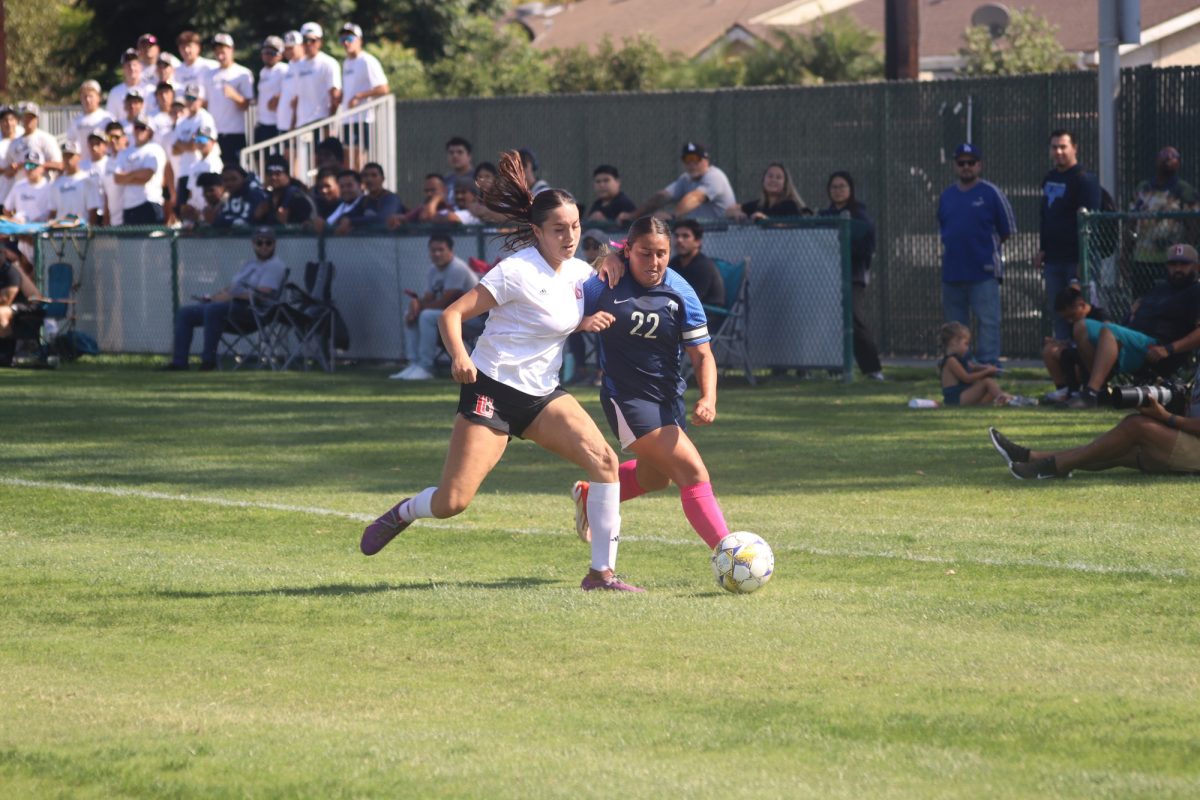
{"points": [[630, 488], [420, 506], [701, 509], [604, 517]]}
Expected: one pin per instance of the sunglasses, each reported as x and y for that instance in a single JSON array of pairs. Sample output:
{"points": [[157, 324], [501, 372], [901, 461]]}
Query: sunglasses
{"points": [[346, 39], [966, 162], [692, 159], [30, 166], [311, 39]]}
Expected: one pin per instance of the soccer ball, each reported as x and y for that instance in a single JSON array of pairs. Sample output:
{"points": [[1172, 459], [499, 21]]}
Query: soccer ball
{"points": [[742, 562]]}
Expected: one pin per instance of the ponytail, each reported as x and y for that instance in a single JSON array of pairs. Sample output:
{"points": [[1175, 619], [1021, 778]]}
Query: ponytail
{"points": [[510, 197]]}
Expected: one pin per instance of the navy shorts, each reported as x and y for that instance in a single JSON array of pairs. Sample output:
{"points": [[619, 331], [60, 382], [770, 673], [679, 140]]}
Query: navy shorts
{"points": [[490, 403], [630, 420]]}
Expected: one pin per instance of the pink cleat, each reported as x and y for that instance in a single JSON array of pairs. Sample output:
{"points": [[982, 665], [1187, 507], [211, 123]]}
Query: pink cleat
{"points": [[579, 493], [377, 535], [606, 582]]}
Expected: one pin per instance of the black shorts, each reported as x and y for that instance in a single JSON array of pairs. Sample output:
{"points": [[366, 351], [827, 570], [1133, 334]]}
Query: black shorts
{"points": [[490, 403], [632, 419]]}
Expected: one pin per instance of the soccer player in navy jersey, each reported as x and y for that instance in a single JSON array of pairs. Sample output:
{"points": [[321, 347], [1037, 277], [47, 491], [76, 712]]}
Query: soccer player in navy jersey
{"points": [[657, 317]]}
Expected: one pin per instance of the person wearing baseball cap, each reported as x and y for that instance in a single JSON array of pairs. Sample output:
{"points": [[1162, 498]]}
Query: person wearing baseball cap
{"points": [[290, 201], [93, 115], [230, 93], [10, 131], [166, 69], [195, 116], [270, 82], [701, 192], [207, 160], [37, 140], [29, 198], [135, 104], [140, 173], [1166, 191], [148, 52], [319, 87], [285, 106], [74, 193], [362, 80]]}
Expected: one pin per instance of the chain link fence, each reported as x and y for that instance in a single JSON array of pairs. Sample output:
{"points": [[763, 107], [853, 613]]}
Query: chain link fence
{"points": [[131, 281]]}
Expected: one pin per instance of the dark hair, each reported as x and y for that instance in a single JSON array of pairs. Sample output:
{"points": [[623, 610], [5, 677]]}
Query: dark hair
{"points": [[1054, 134], [188, 37], [333, 147], [234, 167], [852, 203], [207, 179], [435, 175], [510, 197], [114, 126], [652, 226], [444, 238], [465, 185], [1068, 297], [528, 159], [606, 169], [458, 141], [692, 226], [486, 166], [349, 173], [325, 172], [373, 165]]}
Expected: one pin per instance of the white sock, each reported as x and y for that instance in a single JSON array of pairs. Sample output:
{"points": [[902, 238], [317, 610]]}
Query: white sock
{"points": [[604, 517], [418, 507]]}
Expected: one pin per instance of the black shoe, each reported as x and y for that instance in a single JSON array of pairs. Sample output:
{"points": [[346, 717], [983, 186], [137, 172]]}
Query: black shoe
{"points": [[1012, 452], [1085, 399], [1039, 470], [173, 367], [207, 366]]}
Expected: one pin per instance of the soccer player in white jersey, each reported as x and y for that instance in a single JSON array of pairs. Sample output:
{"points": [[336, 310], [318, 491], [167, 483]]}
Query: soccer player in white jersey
{"points": [[93, 116], [534, 300]]}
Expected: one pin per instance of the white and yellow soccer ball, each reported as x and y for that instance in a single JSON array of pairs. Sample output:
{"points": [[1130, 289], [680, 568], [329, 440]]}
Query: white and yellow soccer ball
{"points": [[743, 562]]}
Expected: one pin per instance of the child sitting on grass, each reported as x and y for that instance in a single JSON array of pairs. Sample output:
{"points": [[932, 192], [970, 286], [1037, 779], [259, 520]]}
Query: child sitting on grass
{"points": [[965, 383]]}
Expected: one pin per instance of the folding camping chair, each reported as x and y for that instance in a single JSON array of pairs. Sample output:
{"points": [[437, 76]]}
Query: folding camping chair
{"points": [[727, 324], [250, 338], [310, 327]]}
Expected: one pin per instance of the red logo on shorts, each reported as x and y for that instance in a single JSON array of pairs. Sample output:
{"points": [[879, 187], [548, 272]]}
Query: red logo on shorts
{"points": [[484, 406]]}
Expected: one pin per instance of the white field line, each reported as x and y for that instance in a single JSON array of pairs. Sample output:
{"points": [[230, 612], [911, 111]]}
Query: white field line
{"points": [[1071, 566]]}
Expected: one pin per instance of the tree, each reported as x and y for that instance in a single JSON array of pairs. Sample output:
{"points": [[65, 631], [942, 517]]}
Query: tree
{"points": [[483, 61], [1028, 45], [838, 49], [637, 67], [407, 76], [33, 64]]}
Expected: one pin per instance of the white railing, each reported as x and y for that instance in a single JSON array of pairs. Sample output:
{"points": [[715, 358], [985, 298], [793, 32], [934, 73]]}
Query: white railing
{"points": [[363, 142]]}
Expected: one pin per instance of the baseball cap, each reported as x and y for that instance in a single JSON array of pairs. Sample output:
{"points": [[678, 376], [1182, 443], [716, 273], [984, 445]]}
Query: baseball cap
{"points": [[143, 121], [1182, 254], [311, 30], [277, 163], [129, 55], [205, 131], [352, 29], [98, 133], [90, 84], [31, 109], [272, 43], [147, 38], [968, 149], [1166, 153], [265, 232], [292, 38], [193, 90], [694, 149], [223, 39], [36, 157], [166, 58], [69, 146], [7, 110], [134, 94]]}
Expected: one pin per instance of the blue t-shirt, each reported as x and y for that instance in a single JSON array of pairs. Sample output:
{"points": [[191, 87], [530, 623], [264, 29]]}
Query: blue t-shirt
{"points": [[972, 224], [641, 353]]}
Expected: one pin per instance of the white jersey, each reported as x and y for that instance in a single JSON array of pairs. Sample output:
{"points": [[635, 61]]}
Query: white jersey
{"points": [[229, 118], [84, 124], [361, 74], [162, 123], [74, 194], [270, 82], [196, 72], [29, 202], [317, 75], [536, 310], [148, 156]]}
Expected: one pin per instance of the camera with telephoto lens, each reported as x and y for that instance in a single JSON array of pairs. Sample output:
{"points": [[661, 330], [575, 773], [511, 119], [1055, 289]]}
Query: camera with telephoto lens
{"points": [[1172, 396]]}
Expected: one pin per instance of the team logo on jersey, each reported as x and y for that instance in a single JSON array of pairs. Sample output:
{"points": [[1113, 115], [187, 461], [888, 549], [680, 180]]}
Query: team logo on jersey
{"points": [[484, 406]]}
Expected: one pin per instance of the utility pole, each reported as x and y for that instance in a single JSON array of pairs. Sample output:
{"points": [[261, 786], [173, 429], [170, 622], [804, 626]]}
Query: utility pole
{"points": [[1120, 23], [902, 33]]}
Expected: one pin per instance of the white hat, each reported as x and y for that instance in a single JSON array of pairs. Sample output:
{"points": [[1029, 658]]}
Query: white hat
{"points": [[272, 43], [223, 38], [292, 38], [90, 84], [193, 90], [166, 58], [353, 29], [311, 29]]}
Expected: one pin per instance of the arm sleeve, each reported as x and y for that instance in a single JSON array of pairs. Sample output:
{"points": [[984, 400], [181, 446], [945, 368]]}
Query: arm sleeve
{"points": [[675, 188], [1006, 220], [694, 330], [497, 282], [375, 74], [1089, 192], [593, 287], [247, 87]]}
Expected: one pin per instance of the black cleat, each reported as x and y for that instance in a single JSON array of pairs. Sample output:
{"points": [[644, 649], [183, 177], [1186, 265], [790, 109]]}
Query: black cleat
{"points": [[1040, 470], [1012, 452]]}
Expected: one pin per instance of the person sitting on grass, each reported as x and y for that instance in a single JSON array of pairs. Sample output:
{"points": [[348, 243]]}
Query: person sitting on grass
{"points": [[1062, 360], [965, 383]]}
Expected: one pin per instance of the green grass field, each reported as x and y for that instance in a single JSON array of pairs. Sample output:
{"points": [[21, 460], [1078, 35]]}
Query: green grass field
{"points": [[184, 611]]}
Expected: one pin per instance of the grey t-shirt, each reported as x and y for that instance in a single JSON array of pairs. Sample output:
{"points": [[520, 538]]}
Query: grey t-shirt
{"points": [[716, 188], [456, 276], [255, 273]]}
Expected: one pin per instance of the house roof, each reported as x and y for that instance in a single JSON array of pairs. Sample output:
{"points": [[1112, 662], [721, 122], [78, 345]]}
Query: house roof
{"points": [[691, 26]]}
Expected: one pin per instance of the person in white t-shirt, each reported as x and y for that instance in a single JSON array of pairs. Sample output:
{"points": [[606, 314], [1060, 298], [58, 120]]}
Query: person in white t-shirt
{"points": [[166, 71], [36, 140], [113, 192], [10, 131], [534, 300], [141, 174], [135, 104], [193, 68], [132, 69], [285, 108], [29, 198], [362, 80], [230, 90], [74, 192], [93, 165], [93, 116], [195, 116], [148, 51], [209, 160], [319, 85], [270, 81], [164, 121]]}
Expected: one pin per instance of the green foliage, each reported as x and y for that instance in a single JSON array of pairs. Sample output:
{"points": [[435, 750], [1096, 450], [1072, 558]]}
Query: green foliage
{"points": [[1029, 45], [33, 30], [486, 61], [407, 77], [838, 50], [639, 65]]}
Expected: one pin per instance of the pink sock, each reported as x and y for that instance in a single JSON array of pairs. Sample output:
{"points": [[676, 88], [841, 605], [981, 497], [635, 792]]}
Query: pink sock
{"points": [[702, 511], [630, 488]]}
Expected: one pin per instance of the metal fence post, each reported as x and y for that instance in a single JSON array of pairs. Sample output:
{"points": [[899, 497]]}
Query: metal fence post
{"points": [[174, 274], [1083, 227], [847, 234]]}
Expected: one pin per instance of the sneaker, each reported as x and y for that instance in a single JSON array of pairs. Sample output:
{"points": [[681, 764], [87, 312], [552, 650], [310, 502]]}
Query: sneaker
{"points": [[1012, 452], [1085, 399], [377, 535], [596, 580], [1022, 401], [399, 376], [416, 373], [1039, 470], [579, 494], [1058, 395], [876, 376]]}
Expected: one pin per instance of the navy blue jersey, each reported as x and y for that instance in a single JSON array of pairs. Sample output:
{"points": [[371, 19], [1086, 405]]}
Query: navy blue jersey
{"points": [[641, 353]]}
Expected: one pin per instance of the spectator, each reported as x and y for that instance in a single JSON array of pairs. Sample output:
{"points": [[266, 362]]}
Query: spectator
{"points": [[326, 197], [244, 203], [131, 69], [290, 202], [449, 279], [16, 288], [36, 140], [113, 192], [166, 133], [262, 275], [10, 131], [134, 103], [377, 205], [975, 219], [1062, 360], [362, 80], [331, 155], [164, 121], [965, 383], [696, 268], [1164, 329], [466, 197], [194, 68], [94, 166], [208, 161], [611, 204], [140, 172], [285, 108], [29, 199], [1165, 192], [433, 208], [213, 193], [194, 118], [779, 198], [530, 164], [270, 84], [74, 192], [701, 192], [147, 53], [319, 88], [167, 64], [458, 156], [485, 177], [349, 184], [92, 117], [1065, 189], [230, 90], [593, 247], [844, 202]]}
